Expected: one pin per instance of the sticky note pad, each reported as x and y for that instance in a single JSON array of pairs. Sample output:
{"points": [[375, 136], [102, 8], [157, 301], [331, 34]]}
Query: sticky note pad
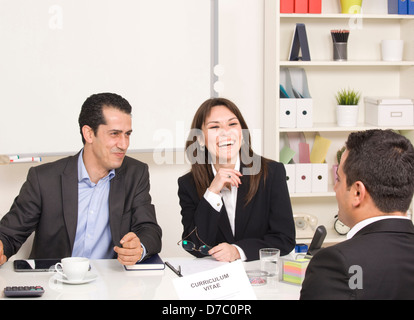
{"points": [[294, 270], [319, 149]]}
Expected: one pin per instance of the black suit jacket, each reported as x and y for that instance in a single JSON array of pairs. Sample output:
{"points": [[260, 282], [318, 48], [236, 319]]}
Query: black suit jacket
{"points": [[48, 205], [266, 222], [384, 251]]}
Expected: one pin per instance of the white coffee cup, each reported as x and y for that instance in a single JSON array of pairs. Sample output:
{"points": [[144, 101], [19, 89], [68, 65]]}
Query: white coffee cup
{"points": [[392, 50], [73, 268]]}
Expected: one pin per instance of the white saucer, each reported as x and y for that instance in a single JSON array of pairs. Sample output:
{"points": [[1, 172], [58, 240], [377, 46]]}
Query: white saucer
{"points": [[90, 276]]}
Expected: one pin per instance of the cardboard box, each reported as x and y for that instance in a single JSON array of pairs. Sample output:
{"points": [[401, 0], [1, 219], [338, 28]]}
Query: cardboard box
{"points": [[389, 111]]}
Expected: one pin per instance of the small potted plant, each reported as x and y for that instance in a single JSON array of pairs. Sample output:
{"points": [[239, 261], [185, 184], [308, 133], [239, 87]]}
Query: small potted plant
{"points": [[347, 107]]}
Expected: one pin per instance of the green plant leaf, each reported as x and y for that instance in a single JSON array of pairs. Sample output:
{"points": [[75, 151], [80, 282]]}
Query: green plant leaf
{"points": [[348, 97]]}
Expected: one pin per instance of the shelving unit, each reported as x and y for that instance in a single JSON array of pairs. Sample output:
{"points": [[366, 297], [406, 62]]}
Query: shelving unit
{"points": [[364, 71]]}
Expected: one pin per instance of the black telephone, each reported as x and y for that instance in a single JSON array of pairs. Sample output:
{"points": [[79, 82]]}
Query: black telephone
{"points": [[317, 240]]}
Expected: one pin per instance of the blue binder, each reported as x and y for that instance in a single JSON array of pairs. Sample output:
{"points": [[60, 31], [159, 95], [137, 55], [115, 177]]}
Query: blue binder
{"points": [[410, 6], [393, 6], [402, 6]]}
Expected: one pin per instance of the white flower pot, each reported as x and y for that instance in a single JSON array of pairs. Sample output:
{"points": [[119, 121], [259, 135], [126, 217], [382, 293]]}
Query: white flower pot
{"points": [[347, 116]]}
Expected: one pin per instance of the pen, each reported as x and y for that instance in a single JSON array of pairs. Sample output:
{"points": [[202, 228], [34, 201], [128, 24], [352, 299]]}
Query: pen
{"points": [[177, 272]]}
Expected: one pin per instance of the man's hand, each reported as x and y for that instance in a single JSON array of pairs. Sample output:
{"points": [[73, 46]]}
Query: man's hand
{"points": [[3, 258], [131, 250]]}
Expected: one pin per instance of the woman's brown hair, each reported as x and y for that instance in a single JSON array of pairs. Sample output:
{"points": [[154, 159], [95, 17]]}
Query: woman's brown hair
{"points": [[200, 157]]}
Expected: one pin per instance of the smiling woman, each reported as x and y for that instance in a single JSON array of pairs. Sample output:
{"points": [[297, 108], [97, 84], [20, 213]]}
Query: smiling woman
{"points": [[223, 132], [248, 191]]}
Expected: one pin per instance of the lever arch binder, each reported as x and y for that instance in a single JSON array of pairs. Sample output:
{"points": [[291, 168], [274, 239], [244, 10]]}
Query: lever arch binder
{"points": [[287, 6], [301, 6], [393, 6], [402, 6], [315, 6]]}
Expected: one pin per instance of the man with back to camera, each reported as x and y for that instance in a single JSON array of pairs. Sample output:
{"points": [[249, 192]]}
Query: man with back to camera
{"points": [[95, 204], [374, 190]]}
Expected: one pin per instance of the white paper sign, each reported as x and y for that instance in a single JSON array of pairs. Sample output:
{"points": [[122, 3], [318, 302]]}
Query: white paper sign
{"points": [[226, 282]]}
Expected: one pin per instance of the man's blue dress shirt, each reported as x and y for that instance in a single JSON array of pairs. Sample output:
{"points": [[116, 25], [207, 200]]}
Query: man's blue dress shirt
{"points": [[93, 234]]}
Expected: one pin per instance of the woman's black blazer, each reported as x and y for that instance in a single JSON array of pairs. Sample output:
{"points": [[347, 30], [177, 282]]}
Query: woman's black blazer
{"points": [[266, 221]]}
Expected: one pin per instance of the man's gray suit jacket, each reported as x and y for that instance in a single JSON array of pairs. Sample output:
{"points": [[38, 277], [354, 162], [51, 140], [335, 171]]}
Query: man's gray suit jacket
{"points": [[48, 205]]}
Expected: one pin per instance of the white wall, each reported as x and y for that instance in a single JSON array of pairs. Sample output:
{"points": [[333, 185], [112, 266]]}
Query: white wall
{"points": [[241, 55], [241, 26]]}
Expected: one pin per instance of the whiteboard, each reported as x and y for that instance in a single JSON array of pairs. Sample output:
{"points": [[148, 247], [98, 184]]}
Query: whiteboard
{"points": [[55, 54]]}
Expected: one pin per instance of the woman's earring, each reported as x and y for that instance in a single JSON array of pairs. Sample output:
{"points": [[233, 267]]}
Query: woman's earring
{"points": [[201, 143], [202, 147]]}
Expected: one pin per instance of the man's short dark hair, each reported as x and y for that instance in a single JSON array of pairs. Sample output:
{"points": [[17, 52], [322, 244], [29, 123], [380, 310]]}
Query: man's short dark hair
{"points": [[383, 161], [91, 113]]}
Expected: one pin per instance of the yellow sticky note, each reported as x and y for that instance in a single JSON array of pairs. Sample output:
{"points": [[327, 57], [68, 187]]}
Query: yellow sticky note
{"points": [[319, 149]]}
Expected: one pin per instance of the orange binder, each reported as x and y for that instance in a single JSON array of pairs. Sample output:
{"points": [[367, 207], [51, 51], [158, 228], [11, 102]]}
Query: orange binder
{"points": [[287, 6], [301, 6], [315, 6]]}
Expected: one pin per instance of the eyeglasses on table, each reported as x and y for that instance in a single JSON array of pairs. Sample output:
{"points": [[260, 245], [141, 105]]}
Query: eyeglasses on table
{"points": [[191, 246]]}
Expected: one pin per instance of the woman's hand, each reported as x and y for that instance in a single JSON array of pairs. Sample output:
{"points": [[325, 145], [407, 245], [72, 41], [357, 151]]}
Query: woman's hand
{"points": [[225, 176]]}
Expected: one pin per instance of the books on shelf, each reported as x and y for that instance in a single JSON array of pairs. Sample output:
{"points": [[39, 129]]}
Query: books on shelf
{"points": [[300, 6], [401, 7]]}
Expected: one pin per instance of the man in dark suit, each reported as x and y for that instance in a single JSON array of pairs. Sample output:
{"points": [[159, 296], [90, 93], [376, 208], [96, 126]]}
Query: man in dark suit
{"points": [[374, 190], [94, 204]]}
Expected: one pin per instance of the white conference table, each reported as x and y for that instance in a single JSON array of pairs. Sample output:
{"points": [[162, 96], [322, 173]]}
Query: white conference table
{"points": [[113, 282]]}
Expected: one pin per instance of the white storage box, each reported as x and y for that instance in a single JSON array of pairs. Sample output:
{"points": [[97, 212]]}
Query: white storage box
{"points": [[304, 113], [287, 113], [303, 177], [319, 177], [296, 113], [290, 177], [389, 111]]}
